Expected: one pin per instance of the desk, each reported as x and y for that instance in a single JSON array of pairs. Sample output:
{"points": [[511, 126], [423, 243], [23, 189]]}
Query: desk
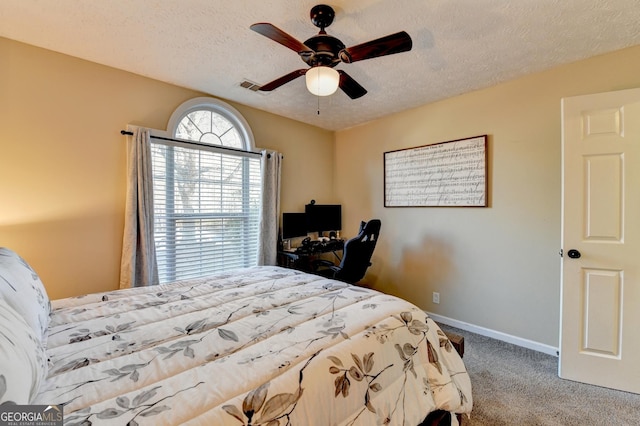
{"points": [[301, 257]]}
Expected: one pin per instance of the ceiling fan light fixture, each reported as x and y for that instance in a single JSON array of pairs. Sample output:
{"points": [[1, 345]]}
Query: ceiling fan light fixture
{"points": [[322, 81], [322, 52]]}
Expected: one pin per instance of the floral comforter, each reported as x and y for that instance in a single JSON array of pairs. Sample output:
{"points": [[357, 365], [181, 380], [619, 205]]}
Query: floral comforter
{"points": [[258, 346]]}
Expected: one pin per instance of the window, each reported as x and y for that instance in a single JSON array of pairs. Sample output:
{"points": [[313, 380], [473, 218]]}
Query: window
{"points": [[206, 199]]}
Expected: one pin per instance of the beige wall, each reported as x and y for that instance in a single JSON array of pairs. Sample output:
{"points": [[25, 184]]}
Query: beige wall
{"points": [[62, 164], [62, 160], [495, 267]]}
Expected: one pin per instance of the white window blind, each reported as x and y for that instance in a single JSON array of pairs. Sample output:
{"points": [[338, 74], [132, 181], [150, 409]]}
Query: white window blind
{"points": [[206, 209]]}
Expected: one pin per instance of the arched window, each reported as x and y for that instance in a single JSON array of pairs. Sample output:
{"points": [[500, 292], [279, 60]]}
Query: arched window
{"points": [[206, 192], [211, 121]]}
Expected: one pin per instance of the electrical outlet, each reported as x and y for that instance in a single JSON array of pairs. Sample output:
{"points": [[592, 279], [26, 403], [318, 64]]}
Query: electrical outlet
{"points": [[436, 297]]}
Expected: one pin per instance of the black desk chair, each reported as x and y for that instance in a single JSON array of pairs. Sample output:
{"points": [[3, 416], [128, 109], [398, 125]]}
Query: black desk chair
{"points": [[356, 257]]}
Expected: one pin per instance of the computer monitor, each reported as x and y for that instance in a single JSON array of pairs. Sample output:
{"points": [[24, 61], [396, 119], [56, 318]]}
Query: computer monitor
{"points": [[323, 217], [294, 225]]}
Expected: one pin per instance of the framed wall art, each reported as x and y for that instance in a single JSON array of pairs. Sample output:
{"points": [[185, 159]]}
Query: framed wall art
{"points": [[446, 174]]}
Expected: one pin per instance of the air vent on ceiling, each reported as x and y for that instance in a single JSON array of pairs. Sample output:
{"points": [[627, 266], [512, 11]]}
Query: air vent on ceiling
{"points": [[254, 87]]}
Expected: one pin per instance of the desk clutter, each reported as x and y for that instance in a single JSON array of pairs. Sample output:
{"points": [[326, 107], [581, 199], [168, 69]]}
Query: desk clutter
{"points": [[309, 246]]}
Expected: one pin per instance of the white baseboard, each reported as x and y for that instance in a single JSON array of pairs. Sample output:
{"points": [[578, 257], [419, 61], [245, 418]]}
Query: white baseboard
{"points": [[498, 335]]}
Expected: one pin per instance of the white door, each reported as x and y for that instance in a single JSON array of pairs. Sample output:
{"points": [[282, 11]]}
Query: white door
{"points": [[600, 301]]}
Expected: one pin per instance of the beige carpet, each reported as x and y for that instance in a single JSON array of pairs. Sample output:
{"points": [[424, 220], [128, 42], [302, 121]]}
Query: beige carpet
{"points": [[518, 386]]}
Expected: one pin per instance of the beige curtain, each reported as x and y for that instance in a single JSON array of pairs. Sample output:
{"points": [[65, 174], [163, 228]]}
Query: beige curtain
{"points": [[138, 266], [271, 164]]}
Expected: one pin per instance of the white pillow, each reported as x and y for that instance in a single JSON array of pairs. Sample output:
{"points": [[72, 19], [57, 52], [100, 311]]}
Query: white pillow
{"points": [[22, 289], [23, 362]]}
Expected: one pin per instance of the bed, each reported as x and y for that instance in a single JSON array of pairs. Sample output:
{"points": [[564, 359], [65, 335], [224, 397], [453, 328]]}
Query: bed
{"points": [[257, 346]]}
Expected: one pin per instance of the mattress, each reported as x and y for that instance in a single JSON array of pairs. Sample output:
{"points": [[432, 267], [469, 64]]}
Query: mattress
{"points": [[256, 346]]}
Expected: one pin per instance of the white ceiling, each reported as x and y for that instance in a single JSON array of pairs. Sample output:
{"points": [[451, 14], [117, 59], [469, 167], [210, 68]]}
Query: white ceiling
{"points": [[458, 45]]}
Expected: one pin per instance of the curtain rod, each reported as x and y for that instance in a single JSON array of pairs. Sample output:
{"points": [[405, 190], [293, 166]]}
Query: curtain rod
{"points": [[124, 132]]}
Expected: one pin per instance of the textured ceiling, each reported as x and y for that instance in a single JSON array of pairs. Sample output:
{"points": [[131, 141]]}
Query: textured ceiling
{"points": [[458, 45]]}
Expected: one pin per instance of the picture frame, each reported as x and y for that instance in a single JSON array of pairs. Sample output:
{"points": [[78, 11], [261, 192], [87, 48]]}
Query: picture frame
{"points": [[444, 174]]}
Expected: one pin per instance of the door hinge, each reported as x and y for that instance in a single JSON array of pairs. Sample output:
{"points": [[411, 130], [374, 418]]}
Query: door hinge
{"points": [[561, 253]]}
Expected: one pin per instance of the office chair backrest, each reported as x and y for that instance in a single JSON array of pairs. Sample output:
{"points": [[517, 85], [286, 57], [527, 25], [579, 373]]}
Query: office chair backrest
{"points": [[356, 257]]}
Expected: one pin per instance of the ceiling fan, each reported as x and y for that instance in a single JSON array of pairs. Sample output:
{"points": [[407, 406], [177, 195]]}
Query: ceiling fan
{"points": [[323, 52]]}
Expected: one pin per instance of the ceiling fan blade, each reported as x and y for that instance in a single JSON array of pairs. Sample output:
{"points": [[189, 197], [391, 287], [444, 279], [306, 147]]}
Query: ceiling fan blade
{"points": [[393, 43], [350, 86], [279, 36], [282, 80]]}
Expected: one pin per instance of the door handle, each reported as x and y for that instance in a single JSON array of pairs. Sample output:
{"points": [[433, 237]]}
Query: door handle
{"points": [[574, 254]]}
